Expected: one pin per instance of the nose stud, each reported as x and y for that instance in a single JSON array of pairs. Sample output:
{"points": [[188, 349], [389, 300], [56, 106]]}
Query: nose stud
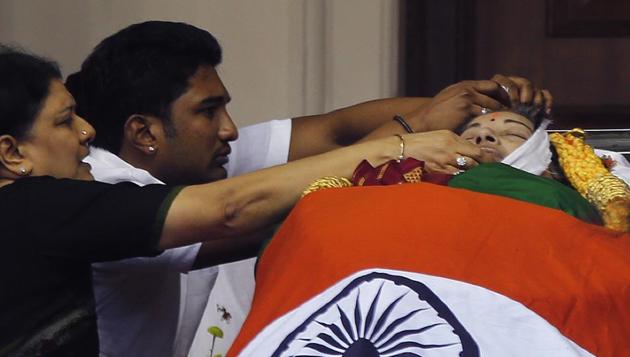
{"points": [[84, 132]]}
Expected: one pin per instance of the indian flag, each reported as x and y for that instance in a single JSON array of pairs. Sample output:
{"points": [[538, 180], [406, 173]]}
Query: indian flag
{"points": [[427, 270]]}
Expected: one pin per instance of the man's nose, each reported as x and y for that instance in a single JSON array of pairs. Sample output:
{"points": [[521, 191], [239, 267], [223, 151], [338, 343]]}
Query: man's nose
{"points": [[228, 130]]}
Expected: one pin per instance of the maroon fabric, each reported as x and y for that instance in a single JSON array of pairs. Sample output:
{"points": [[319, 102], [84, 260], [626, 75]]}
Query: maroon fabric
{"points": [[393, 172], [389, 173]]}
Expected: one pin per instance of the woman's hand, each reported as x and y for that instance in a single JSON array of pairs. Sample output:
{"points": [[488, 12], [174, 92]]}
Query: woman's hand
{"points": [[440, 151]]}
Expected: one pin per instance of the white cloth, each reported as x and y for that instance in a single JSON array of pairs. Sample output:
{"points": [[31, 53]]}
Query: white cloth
{"points": [[621, 168], [143, 306], [494, 324], [534, 156]]}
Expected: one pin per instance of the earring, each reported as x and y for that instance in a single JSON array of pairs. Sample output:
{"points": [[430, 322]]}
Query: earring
{"points": [[151, 149], [23, 171], [84, 132]]}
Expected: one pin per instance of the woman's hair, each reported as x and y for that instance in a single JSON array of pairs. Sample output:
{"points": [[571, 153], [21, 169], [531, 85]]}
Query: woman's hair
{"points": [[535, 114], [24, 85]]}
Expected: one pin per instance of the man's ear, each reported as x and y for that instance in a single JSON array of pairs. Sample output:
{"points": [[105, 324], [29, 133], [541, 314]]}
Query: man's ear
{"points": [[11, 158], [143, 133]]}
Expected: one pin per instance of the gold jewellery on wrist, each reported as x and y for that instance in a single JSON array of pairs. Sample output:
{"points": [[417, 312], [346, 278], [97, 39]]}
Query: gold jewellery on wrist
{"points": [[401, 155]]}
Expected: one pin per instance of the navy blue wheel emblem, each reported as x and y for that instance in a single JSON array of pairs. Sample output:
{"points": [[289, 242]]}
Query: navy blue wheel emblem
{"points": [[381, 315]]}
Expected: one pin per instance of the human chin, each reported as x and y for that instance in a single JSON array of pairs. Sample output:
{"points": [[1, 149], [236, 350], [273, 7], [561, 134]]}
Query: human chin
{"points": [[488, 156], [217, 173]]}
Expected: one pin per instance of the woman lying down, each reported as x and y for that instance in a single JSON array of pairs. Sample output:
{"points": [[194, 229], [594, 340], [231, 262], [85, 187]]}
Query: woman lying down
{"points": [[428, 270], [517, 139]]}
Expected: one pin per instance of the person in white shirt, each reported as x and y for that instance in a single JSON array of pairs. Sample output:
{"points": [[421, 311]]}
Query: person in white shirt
{"points": [[153, 94]]}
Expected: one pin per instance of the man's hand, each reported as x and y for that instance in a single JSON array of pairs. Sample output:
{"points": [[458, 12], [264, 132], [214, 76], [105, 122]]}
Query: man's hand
{"points": [[462, 101], [521, 90], [455, 104]]}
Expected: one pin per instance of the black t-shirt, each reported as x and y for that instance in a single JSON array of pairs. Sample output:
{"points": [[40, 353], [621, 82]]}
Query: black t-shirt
{"points": [[50, 232]]}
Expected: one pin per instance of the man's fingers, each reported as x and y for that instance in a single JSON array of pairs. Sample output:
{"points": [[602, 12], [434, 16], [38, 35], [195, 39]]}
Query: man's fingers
{"points": [[487, 102], [526, 89], [509, 89], [487, 87], [482, 109], [548, 100], [539, 100], [477, 110]]}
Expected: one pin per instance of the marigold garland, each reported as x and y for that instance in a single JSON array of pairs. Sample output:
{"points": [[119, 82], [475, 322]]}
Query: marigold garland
{"points": [[590, 177]]}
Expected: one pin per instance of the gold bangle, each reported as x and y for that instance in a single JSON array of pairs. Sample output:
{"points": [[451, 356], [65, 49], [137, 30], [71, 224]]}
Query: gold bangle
{"points": [[401, 156]]}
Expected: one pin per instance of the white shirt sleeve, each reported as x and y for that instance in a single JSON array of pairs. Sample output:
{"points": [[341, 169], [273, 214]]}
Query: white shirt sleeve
{"points": [[259, 146]]}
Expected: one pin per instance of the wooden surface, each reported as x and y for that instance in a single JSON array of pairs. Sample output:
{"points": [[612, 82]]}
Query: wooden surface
{"points": [[589, 77]]}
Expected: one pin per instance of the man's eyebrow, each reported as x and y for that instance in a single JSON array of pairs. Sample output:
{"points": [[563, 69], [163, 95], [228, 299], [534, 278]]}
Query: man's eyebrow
{"points": [[219, 99], [518, 122]]}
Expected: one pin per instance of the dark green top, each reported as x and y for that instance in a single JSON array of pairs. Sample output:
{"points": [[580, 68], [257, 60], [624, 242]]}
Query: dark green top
{"points": [[504, 180]]}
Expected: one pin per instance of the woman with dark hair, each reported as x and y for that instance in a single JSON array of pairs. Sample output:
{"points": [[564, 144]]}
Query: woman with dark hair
{"points": [[57, 221]]}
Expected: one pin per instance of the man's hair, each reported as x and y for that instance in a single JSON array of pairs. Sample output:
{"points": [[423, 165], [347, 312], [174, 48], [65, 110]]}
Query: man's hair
{"points": [[24, 86], [141, 69]]}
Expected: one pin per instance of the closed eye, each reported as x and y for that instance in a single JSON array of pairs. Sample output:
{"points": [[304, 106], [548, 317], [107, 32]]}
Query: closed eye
{"points": [[520, 136], [67, 121]]}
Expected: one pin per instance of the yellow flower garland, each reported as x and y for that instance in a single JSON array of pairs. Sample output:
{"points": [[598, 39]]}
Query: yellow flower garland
{"points": [[588, 175]]}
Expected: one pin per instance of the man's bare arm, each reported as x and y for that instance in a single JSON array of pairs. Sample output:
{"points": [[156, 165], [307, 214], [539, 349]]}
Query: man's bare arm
{"points": [[230, 250], [315, 134]]}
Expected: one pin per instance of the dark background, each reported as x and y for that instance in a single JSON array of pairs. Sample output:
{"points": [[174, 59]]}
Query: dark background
{"points": [[578, 49]]}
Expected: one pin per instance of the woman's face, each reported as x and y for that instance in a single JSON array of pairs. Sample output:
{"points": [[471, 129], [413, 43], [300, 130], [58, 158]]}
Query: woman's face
{"points": [[498, 134], [58, 139]]}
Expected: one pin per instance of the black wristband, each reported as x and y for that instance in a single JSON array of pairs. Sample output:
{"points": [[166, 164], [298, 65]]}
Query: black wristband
{"points": [[403, 123]]}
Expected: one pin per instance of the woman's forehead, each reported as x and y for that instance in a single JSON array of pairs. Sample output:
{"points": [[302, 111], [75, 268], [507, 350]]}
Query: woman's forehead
{"points": [[500, 118], [58, 99]]}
